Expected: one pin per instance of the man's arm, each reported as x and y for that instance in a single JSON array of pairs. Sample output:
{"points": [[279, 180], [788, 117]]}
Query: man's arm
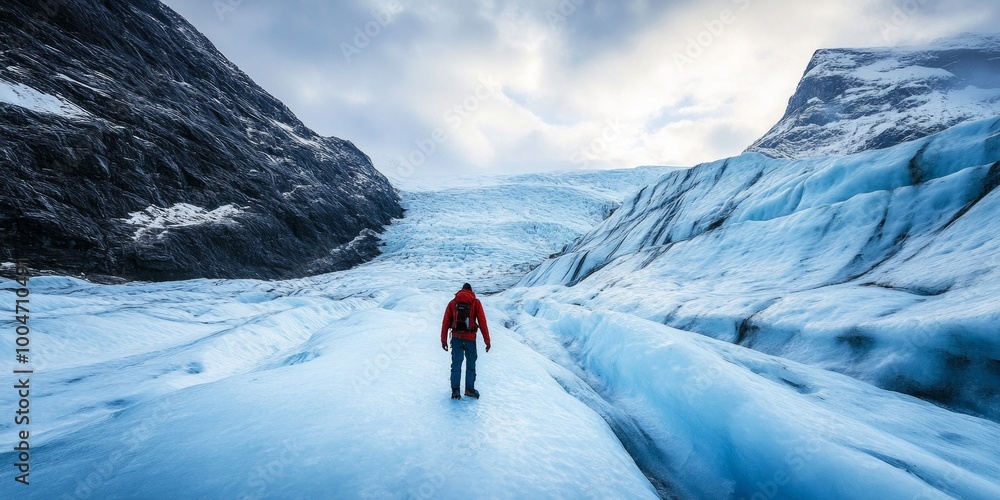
{"points": [[445, 324], [481, 319]]}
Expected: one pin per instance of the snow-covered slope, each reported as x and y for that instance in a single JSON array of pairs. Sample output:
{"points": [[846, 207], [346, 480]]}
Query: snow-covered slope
{"points": [[882, 265], [336, 386], [852, 100]]}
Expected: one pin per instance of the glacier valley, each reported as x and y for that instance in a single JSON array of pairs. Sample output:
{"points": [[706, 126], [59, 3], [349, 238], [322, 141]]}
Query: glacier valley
{"points": [[750, 328]]}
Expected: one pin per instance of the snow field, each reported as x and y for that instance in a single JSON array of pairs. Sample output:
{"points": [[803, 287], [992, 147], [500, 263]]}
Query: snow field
{"points": [[361, 408]]}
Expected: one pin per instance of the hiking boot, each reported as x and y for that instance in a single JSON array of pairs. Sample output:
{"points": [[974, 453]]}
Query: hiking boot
{"points": [[455, 394], [472, 393]]}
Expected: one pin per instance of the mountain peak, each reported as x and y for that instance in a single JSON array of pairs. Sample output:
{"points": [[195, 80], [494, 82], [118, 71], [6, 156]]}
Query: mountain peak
{"points": [[135, 149], [852, 100]]}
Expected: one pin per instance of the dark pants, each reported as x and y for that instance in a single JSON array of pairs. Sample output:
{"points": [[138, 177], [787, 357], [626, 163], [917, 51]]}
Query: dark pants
{"points": [[459, 348]]}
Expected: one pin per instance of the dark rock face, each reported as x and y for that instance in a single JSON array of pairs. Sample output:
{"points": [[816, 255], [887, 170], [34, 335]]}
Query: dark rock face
{"points": [[132, 148], [852, 100]]}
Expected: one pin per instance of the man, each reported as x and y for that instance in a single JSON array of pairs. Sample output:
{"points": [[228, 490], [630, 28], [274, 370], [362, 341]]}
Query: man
{"points": [[464, 316]]}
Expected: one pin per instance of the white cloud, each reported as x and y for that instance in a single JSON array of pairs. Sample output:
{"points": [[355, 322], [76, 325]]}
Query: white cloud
{"points": [[604, 84]]}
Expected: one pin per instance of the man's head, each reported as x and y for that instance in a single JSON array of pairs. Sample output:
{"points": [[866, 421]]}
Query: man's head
{"points": [[467, 287]]}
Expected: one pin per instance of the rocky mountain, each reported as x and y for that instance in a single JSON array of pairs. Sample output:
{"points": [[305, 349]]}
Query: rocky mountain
{"points": [[852, 100], [132, 148]]}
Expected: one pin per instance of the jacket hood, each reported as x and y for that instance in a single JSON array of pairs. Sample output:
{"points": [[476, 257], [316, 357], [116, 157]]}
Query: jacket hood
{"points": [[465, 295]]}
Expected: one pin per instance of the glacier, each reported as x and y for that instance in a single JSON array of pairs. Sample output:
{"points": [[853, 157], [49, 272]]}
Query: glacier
{"points": [[881, 265], [335, 385]]}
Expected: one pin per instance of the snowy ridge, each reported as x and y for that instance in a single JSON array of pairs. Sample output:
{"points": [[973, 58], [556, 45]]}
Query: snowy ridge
{"points": [[852, 100], [881, 265]]}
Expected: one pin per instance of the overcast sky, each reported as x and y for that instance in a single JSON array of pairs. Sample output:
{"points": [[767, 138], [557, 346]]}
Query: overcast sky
{"points": [[492, 86]]}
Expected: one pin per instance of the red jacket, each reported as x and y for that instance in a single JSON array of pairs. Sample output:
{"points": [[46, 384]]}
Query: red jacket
{"points": [[477, 318]]}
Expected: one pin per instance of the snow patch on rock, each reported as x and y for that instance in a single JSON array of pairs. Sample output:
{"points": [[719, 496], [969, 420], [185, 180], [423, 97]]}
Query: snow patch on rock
{"points": [[157, 219], [29, 98]]}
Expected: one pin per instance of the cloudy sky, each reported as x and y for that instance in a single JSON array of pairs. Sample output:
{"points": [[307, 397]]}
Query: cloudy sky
{"points": [[492, 86]]}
